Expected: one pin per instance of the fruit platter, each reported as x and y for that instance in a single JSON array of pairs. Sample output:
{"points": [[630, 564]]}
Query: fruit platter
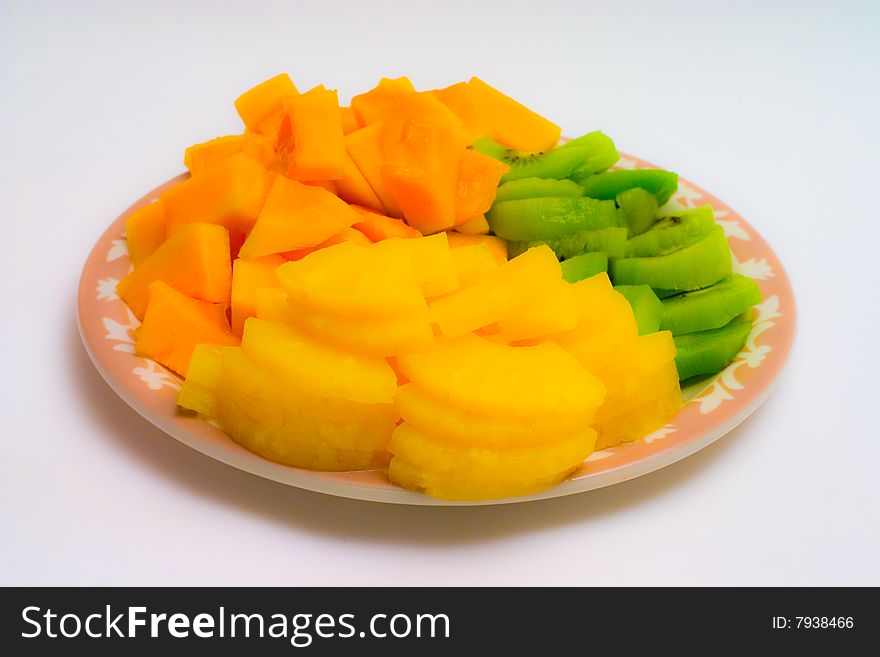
{"points": [[432, 297]]}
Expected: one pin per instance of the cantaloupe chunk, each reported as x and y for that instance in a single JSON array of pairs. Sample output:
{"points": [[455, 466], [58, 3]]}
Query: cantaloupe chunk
{"points": [[378, 227], [296, 426], [525, 383], [512, 123], [497, 246], [260, 103], [354, 281], [353, 188], [364, 149], [200, 157], [474, 226], [460, 99], [249, 275], [511, 286], [199, 391], [478, 178], [194, 260], [420, 170], [350, 120], [307, 363], [296, 216], [175, 323], [230, 193], [373, 106], [317, 134], [145, 229]]}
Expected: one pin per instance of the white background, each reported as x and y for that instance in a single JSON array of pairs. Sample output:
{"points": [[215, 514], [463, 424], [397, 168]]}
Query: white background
{"points": [[773, 106]]}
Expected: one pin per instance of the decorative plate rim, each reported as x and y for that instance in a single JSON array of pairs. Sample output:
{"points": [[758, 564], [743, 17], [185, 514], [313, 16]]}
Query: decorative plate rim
{"points": [[714, 407]]}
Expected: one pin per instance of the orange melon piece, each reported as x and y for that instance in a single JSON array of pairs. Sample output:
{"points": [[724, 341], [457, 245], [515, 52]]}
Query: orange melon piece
{"points": [[378, 227], [512, 123], [350, 280], [230, 193], [364, 149], [260, 103], [353, 188], [329, 185], [478, 178], [421, 171], [249, 276], [373, 106], [296, 216], [460, 99], [514, 383], [175, 323], [317, 134], [496, 245], [474, 226], [350, 120], [307, 363], [194, 260], [145, 229], [512, 285], [200, 157]]}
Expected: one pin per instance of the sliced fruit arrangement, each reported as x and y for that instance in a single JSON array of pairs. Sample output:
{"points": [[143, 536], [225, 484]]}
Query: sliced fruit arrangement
{"points": [[428, 283]]}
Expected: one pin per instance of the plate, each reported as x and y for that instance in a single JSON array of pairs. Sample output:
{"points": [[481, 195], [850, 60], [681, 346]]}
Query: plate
{"points": [[713, 407]]}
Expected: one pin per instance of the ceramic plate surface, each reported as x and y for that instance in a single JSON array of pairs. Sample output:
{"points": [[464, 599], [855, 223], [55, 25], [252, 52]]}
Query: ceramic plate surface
{"points": [[713, 407]]}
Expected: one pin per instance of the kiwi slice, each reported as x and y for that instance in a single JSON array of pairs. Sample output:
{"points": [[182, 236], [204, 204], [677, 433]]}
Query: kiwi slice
{"points": [[647, 308], [708, 352], [549, 218], [536, 188], [601, 153], [611, 241], [673, 232], [638, 209], [711, 307], [584, 266], [690, 268], [555, 163], [662, 184]]}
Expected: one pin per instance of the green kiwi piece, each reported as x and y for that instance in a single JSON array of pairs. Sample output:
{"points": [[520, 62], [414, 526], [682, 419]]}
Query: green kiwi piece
{"points": [[691, 268], [536, 188], [584, 266], [638, 209], [711, 307], [662, 184], [710, 351], [611, 241], [549, 218], [647, 308], [601, 153], [672, 232], [555, 163]]}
